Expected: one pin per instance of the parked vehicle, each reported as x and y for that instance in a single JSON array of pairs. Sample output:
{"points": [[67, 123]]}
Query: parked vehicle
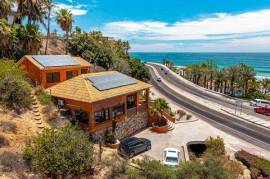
{"points": [[159, 79], [262, 110], [171, 157], [260, 103], [132, 146]]}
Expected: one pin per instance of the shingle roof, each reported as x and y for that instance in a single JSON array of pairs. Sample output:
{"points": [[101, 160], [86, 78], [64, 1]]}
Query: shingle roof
{"points": [[81, 89], [79, 60]]}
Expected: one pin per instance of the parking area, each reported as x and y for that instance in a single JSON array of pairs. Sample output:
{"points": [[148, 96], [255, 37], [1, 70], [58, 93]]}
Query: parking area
{"points": [[194, 131]]}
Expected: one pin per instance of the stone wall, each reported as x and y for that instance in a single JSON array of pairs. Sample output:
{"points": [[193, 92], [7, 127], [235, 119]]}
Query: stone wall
{"points": [[126, 128]]}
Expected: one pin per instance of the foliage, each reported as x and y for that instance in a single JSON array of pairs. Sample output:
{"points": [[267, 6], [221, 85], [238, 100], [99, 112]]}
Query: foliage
{"points": [[158, 107], [150, 169], [62, 152], [43, 97], [117, 165], [138, 70], [7, 126], [254, 162], [9, 68], [9, 159], [215, 146], [109, 137]]}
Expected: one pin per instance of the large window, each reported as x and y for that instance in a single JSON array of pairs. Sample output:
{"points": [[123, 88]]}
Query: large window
{"points": [[118, 110], [102, 115], [82, 117], [71, 74], [83, 71], [53, 77], [131, 101]]}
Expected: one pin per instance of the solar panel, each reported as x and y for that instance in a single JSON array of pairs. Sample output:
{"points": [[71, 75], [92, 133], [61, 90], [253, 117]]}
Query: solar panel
{"points": [[55, 60], [109, 81]]}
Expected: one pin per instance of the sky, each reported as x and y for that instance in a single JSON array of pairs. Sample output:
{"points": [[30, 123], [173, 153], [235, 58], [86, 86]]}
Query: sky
{"points": [[177, 25]]}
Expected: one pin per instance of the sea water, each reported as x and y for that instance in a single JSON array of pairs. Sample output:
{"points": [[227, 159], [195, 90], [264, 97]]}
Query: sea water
{"points": [[260, 61]]}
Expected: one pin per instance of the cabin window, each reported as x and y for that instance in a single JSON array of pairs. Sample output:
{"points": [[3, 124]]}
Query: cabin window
{"points": [[83, 71], [71, 74], [118, 110], [131, 101], [82, 117], [102, 115], [53, 77]]}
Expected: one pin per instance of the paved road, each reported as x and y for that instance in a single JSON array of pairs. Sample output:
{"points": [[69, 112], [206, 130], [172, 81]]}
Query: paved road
{"points": [[246, 131], [205, 95]]}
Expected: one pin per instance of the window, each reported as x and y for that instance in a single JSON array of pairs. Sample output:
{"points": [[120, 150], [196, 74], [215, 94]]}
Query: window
{"points": [[53, 77], [102, 116], [71, 74], [131, 101], [118, 110], [83, 71], [82, 117]]}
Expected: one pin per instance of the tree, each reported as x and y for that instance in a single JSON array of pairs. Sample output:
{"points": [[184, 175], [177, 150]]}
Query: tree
{"points": [[30, 38], [5, 7], [246, 73], [64, 18], [49, 5], [138, 70], [158, 107], [215, 146], [265, 84], [232, 75], [62, 152]]}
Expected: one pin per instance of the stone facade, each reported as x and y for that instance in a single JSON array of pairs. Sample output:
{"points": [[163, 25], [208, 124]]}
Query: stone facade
{"points": [[126, 128]]}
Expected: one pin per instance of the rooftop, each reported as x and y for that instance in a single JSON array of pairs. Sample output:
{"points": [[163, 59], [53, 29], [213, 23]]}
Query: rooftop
{"points": [[86, 87], [52, 61]]}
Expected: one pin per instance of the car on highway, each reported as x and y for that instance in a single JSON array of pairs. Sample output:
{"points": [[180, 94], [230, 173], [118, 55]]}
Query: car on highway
{"points": [[159, 79], [262, 110], [132, 146], [167, 72], [260, 103], [171, 157]]}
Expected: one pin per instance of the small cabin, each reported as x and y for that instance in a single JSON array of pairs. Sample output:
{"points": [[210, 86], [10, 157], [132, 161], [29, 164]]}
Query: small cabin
{"points": [[49, 70]]}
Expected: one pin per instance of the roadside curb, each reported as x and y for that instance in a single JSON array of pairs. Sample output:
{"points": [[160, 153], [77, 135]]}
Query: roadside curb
{"points": [[268, 127], [186, 121]]}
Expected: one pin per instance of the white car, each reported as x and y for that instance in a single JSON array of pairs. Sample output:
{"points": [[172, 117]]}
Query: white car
{"points": [[171, 157], [159, 79], [260, 103]]}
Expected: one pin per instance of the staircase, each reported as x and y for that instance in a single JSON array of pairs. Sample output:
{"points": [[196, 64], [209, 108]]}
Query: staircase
{"points": [[170, 125], [36, 112]]}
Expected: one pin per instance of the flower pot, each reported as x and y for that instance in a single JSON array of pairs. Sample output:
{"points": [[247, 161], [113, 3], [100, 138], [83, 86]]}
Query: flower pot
{"points": [[113, 146], [159, 129]]}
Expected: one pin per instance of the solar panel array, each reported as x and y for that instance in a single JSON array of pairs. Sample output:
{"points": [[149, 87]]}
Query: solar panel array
{"points": [[55, 60], [109, 81]]}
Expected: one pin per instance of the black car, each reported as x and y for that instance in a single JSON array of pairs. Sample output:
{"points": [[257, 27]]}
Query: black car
{"points": [[131, 146]]}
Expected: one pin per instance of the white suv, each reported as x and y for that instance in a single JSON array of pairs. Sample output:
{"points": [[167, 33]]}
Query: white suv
{"points": [[260, 103], [171, 157]]}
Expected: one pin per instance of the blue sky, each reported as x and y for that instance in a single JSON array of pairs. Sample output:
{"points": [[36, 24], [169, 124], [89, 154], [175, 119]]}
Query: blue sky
{"points": [[178, 25]]}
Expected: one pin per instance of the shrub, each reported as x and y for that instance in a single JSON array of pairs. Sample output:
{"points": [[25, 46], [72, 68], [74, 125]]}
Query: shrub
{"points": [[117, 165], [189, 116], [149, 168], [9, 159], [14, 93], [254, 162], [62, 152], [215, 146], [181, 113], [3, 141], [43, 97], [8, 126]]}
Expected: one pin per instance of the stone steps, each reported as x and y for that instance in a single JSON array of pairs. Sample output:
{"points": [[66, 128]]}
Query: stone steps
{"points": [[36, 112]]}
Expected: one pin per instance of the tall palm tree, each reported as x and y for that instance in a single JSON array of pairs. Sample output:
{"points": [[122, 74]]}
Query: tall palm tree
{"points": [[246, 73], [65, 19], [159, 106], [49, 6], [232, 75], [30, 38], [265, 84], [210, 68]]}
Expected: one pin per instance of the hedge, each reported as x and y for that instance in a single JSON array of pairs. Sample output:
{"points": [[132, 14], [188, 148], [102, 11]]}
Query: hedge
{"points": [[254, 162]]}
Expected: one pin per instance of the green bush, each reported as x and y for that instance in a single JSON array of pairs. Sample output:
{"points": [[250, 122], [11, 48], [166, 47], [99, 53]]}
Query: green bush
{"points": [[149, 168], [261, 165], [42, 96], [215, 146], [62, 152]]}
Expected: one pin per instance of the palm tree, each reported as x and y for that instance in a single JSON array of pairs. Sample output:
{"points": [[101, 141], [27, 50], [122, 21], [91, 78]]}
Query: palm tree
{"points": [[159, 106], [265, 84], [30, 38], [5, 7], [49, 6], [65, 19], [232, 75], [246, 73]]}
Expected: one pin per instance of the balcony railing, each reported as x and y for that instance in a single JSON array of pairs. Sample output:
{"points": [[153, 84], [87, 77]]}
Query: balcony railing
{"points": [[131, 111]]}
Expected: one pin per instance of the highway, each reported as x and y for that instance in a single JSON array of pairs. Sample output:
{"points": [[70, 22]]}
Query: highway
{"points": [[205, 95], [239, 128]]}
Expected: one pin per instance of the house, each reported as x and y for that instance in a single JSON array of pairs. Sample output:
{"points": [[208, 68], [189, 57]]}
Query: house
{"points": [[48, 70], [95, 99]]}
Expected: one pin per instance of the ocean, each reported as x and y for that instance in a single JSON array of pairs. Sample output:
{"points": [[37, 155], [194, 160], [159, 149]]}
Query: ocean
{"points": [[260, 61]]}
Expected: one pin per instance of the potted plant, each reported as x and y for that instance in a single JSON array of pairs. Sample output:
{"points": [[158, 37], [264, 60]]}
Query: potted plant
{"points": [[110, 137], [159, 106]]}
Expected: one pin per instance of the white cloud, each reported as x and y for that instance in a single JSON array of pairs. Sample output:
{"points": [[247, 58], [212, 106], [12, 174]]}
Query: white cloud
{"points": [[220, 26], [76, 10]]}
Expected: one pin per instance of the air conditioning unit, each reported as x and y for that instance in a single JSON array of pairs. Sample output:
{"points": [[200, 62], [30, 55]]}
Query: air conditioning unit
{"points": [[60, 102]]}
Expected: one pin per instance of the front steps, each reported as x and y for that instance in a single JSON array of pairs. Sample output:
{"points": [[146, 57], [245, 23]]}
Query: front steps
{"points": [[37, 115]]}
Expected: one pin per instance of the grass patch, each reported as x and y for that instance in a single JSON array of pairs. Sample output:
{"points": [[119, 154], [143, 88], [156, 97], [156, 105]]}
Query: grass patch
{"points": [[43, 97]]}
